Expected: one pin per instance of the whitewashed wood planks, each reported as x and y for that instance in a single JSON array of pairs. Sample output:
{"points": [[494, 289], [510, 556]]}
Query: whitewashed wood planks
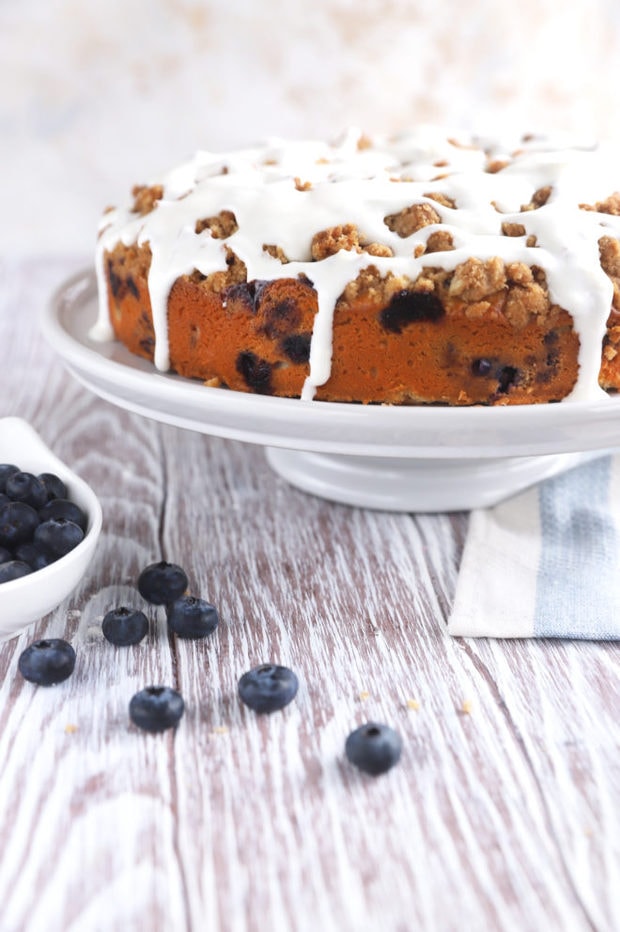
{"points": [[501, 815]]}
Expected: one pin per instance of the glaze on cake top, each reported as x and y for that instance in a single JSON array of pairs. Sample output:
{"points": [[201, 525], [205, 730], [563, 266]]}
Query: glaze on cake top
{"points": [[557, 199]]}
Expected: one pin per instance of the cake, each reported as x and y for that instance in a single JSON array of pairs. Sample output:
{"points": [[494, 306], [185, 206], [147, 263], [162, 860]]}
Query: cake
{"points": [[414, 269]]}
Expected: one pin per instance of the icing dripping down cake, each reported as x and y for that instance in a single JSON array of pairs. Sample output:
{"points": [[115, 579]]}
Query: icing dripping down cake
{"points": [[415, 269]]}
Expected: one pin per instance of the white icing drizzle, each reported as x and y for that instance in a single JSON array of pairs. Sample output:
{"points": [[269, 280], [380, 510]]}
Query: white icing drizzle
{"points": [[362, 181]]}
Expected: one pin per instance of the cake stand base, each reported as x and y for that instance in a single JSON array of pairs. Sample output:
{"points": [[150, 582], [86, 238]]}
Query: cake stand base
{"points": [[421, 485]]}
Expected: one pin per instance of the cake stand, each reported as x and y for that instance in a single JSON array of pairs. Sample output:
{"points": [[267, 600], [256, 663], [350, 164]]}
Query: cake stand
{"points": [[421, 459]]}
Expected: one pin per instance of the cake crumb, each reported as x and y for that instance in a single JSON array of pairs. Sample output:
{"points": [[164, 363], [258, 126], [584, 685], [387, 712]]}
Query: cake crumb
{"points": [[442, 199], [363, 696], [539, 198], [413, 704], [145, 197], [475, 279], [328, 242], [276, 252], [611, 205], [372, 285], [346, 236], [477, 310], [466, 707], [609, 251], [378, 249], [411, 219], [221, 730], [222, 225], [440, 241], [524, 303], [218, 282], [513, 229], [518, 273], [70, 729]]}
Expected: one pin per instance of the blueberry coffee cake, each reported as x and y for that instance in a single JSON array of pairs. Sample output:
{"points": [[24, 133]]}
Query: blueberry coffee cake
{"points": [[414, 269]]}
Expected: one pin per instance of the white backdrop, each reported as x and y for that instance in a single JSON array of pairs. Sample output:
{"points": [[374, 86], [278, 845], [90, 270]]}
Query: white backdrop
{"points": [[96, 95]]}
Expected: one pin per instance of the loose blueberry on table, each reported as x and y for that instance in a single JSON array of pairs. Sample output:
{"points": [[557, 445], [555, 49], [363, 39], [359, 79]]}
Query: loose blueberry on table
{"points": [[47, 662], [268, 688], [162, 583], [373, 747], [124, 626], [156, 708], [190, 617], [38, 524]]}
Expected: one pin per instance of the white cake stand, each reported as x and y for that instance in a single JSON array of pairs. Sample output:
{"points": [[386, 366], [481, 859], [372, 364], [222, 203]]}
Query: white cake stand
{"points": [[374, 456]]}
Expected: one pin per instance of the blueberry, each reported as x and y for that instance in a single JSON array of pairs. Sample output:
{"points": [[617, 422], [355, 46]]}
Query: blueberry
{"points": [[123, 626], [4, 499], [54, 486], [58, 536], [407, 307], [63, 508], [33, 555], [47, 662], [24, 487], [507, 377], [481, 366], [18, 522], [5, 555], [161, 583], [6, 470], [156, 708], [268, 688], [374, 748], [14, 569], [256, 372], [189, 617]]}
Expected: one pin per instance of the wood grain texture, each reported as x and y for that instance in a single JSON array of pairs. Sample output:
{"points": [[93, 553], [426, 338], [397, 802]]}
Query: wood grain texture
{"points": [[503, 813]]}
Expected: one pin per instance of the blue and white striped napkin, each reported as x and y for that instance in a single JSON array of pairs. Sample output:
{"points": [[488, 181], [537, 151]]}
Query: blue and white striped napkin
{"points": [[546, 562]]}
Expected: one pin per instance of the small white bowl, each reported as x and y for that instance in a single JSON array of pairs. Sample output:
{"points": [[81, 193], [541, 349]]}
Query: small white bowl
{"points": [[26, 600]]}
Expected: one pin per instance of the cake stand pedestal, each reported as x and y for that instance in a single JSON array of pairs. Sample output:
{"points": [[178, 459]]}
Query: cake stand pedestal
{"points": [[423, 485]]}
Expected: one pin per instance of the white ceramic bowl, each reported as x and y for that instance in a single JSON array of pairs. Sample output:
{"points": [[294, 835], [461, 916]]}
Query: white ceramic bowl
{"points": [[26, 600]]}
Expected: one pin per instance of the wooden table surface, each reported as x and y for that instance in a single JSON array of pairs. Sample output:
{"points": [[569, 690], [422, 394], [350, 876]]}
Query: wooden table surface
{"points": [[502, 814]]}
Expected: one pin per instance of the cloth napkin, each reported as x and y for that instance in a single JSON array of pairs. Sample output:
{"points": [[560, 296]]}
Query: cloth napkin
{"points": [[546, 562]]}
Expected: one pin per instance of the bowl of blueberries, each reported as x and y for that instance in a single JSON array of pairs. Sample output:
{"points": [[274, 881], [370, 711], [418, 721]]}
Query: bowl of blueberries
{"points": [[50, 521]]}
